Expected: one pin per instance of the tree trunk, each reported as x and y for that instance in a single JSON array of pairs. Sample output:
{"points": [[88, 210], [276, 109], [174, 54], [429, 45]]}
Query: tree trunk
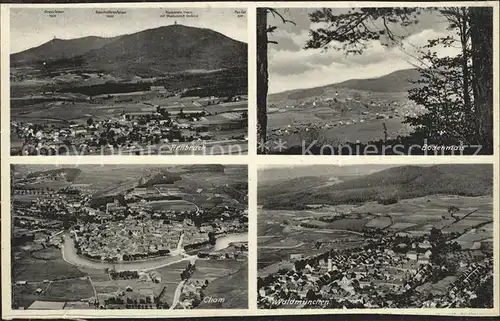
{"points": [[262, 78], [482, 64], [464, 40]]}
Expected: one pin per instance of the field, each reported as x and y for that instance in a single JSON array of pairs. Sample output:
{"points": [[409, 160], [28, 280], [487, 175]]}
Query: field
{"points": [[338, 116], [112, 179], [223, 288], [29, 268], [24, 295], [280, 232], [68, 290], [176, 205], [438, 288]]}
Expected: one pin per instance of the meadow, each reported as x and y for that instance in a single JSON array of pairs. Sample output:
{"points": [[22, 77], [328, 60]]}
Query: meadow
{"points": [[283, 232]]}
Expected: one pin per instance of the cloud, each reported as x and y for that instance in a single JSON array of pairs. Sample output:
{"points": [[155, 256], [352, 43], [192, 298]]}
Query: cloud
{"points": [[32, 27], [315, 67]]}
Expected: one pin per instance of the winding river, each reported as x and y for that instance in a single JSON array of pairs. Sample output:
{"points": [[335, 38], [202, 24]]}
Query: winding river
{"points": [[70, 256], [224, 241]]}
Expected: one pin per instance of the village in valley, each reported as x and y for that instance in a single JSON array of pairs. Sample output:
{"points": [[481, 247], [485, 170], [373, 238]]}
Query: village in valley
{"points": [[129, 237], [350, 245], [136, 123], [173, 88]]}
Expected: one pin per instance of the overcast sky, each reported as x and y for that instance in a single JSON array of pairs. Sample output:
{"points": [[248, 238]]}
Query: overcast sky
{"points": [[292, 67], [267, 173], [33, 27]]}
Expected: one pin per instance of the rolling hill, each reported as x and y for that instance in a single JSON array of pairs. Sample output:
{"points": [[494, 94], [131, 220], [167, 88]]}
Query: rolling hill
{"points": [[397, 182], [70, 174], [235, 297], [173, 48], [398, 81], [59, 49]]}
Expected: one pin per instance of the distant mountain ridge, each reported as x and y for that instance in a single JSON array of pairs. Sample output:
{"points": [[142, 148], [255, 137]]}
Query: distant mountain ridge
{"points": [[164, 49], [398, 182], [398, 81], [56, 49]]}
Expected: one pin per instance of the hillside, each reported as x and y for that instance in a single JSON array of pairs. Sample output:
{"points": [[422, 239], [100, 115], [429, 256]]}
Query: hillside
{"points": [[398, 182], [70, 174], [169, 49], [235, 297], [59, 49], [173, 48], [398, 81]]}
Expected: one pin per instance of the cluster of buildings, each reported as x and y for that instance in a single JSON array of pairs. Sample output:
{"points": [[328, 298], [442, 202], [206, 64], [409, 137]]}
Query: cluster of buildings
{"points": [[192, 293], [341, 111], [132, 239], [379, 275], [130, 131]]}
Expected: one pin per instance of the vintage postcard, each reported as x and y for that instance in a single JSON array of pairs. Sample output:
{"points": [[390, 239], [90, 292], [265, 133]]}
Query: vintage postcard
{"points": [[128, 81], [129, 237], [375, 80], [375, 236], [222, 159]]}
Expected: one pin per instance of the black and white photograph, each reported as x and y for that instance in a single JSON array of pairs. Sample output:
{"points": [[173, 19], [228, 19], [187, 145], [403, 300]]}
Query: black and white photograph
{"points": [[128, 81], [129, 237], [375, 236], [375, 80]]}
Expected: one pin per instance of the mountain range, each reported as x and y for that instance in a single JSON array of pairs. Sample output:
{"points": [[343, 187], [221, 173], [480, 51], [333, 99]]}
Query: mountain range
{"points": [[397, 182], [395, 82], [172, 48]]}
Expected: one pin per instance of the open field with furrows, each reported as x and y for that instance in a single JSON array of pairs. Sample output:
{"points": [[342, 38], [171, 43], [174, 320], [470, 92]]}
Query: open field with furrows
{"points": [[172, 273], [24, 295], [62, 108], [439, 288], [28, 268], [176, 205], [232, 288], [281, 234], [28, 197], [47, 184], [208, 180], [215, 269], [269, 256], [273, 242], [68, 290], [113, 179], [277, 241]]}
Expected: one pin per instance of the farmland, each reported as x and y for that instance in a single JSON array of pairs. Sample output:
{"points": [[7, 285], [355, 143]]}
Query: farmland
{"points": [[399, 231], [336, 115], [84, 104], [156, 229]]}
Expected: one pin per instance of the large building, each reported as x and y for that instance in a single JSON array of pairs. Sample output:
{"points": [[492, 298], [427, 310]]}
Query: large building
{"points": [[160, 89]]}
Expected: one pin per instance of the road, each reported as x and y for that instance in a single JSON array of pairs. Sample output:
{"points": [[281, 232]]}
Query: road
{"points": [[177, 294], [93, 288]]}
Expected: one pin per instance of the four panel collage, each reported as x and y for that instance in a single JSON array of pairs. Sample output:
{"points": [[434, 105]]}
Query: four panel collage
{"points": [[241, 159]]}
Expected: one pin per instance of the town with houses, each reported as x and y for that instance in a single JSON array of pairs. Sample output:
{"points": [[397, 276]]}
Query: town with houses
{"points": [[149, 128], [147, 245], [386, 272], [168, 86], [376, 236]]}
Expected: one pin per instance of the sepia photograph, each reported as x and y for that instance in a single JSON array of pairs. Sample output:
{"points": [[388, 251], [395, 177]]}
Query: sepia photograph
{"points": [[375, 236], [375, 80], [129, 81], [129, 237]]}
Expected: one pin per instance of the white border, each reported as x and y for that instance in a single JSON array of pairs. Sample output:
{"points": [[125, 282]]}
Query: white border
{"points": [[252, 160]]}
